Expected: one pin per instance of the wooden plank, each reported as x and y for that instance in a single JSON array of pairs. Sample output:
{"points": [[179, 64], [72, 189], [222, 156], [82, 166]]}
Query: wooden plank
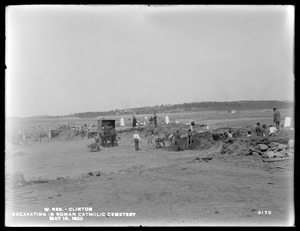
{"points": [[276, 159], [281, 167]]}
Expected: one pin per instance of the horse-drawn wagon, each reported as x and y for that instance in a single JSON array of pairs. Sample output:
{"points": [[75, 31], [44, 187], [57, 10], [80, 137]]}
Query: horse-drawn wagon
{"points": [[106, 131]]}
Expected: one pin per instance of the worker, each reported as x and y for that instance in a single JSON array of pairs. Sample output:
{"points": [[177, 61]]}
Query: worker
{"points": [[151, 137], [265, 130], [155, 120], [134, 122], [159, 140], [113, 136], [258, 129], [276, 118], [177, 140], [190, 141], [97, 139], [229, 134], [150, 121], [136, 140], [273, 130], [249, 134]]}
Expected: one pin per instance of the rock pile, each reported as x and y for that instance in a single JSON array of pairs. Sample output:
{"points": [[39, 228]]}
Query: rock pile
{"points": [[273, 150]]}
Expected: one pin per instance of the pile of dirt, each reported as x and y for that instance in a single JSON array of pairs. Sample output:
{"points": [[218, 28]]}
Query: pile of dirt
{"points": [[236, 146], [203, 139], [199, 141], [248, 145]]}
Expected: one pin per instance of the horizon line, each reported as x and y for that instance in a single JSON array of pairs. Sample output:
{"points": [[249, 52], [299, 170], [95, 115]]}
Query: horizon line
{"points": [[142, 107]]}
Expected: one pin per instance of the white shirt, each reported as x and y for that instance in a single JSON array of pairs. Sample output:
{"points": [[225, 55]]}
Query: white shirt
{"points": [[272, 130], [136, 136]]}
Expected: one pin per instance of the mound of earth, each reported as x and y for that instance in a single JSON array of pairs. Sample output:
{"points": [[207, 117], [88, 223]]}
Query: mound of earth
{"points": [[199, 141], [238, 146], [203, 139], [245, 146]]}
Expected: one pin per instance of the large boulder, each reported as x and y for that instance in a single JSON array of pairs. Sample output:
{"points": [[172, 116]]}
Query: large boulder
{"points": [[263, 147], [269, 154], [280, 154], [291, 144], [273, 144], [282, 146]]}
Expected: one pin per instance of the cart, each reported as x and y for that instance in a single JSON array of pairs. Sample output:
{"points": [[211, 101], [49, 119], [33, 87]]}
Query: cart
{"points": [[94, 146], [107, 132]]}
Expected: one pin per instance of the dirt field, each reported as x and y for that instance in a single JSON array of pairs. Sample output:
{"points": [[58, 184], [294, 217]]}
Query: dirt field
{"points": [[155, 187]]}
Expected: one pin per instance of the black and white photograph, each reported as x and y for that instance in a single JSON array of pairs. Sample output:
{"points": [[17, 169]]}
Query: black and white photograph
{"points": [[149, 115]]}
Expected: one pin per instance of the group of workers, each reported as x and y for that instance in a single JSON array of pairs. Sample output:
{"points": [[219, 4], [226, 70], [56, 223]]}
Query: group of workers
{"points": [[260, 131], [109, 134], [152, 121], [171, 138], [264, 130], [136, 137]]}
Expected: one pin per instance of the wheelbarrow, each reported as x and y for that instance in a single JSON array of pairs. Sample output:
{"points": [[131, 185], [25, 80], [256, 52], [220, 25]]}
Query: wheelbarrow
{"points": [[94, 146]]}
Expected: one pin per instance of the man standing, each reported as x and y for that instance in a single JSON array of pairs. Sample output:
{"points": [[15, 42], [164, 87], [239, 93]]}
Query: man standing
{"points": [[189, 141], [113, 136], [155, 120], [134, 122], [177, 140], [136, 140], [276, 118], [150, 121]]}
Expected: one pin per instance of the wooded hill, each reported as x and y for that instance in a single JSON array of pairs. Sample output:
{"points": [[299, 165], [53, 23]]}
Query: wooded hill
{"points": [[196, 106]]}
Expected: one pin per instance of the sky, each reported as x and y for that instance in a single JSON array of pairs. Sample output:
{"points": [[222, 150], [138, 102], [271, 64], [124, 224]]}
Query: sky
{"points": [[64, 59]]}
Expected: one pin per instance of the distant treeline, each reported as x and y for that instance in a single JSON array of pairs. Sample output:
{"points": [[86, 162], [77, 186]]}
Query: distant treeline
{"points": [[196, 106]]}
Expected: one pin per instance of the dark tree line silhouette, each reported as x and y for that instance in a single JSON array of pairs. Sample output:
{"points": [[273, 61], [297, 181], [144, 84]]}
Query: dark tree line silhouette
{"points": [[194, 106]]}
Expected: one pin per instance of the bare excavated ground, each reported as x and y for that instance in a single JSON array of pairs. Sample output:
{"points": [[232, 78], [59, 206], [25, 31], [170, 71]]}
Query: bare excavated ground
{"points": [[162, 187]]}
